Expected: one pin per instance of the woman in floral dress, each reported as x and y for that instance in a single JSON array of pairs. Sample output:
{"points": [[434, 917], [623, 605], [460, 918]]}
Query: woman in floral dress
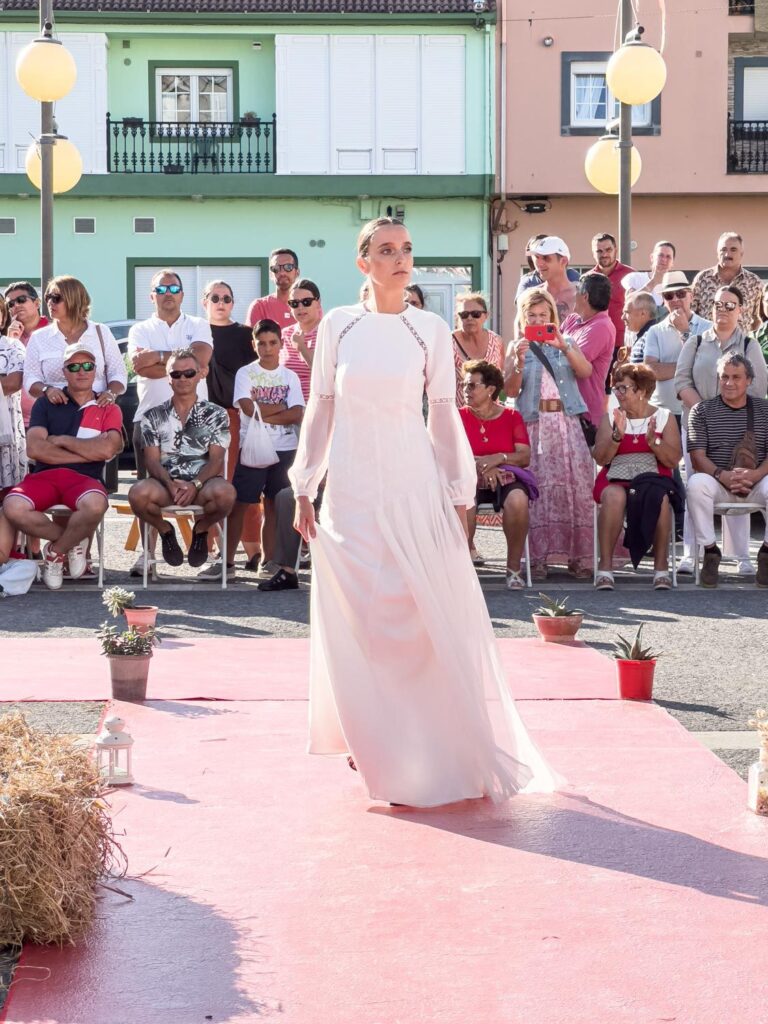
{"points": [[13, 453]]}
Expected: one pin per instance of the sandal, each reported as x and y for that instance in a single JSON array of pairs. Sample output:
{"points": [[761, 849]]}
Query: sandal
{"points": [[477, 558], [661, 580], [514, 580], [604, 580]]}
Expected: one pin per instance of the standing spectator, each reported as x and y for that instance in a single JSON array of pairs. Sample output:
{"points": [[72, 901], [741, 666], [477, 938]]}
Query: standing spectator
{"points": [[13, 452], [299, 338], [69, 306], [696, 380], [592, 330], [639, 316], [283, 269], [729, 270], [762, 331], [185, 442], [232, 350], [69, 443], [5, 317], [545, 380], [533, 279], [23, 304], [472, 340], [662, 262], [550, 257], [150, 345], [607, 262], [414, 296]]}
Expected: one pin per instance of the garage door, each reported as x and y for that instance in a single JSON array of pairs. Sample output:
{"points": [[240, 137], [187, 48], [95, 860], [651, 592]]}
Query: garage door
{"points": [[245, 283]]}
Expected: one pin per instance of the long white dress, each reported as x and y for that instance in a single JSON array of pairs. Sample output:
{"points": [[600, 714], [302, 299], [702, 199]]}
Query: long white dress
{"points": [[405, 673]]}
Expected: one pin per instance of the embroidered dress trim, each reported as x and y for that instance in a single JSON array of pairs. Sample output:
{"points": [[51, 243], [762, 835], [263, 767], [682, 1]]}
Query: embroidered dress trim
{"points": [[350, 325], [416, 335], [324, 398], [442, 401]]}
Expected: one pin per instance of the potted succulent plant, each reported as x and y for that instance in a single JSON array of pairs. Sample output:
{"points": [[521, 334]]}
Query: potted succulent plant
{"points": [[128, 654], [122, 602], [635, 667], [555, 621]]}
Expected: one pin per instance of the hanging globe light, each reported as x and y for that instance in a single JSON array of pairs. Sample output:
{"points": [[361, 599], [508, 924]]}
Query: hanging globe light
{"points": [[636, 73], [46, 70], [67, 164], [601, 165]]}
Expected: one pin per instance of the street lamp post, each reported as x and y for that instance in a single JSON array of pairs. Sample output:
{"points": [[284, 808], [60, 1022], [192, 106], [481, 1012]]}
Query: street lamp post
{"points": [[625, 154]]}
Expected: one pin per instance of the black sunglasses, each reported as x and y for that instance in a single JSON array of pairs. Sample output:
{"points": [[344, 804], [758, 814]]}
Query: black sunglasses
{"points": [[178, 374], [76, 367], [18, 301], [295, 303], [161, 289], [221, 298], [287, 267], [676, 295], [53, 297], [476, 314]]}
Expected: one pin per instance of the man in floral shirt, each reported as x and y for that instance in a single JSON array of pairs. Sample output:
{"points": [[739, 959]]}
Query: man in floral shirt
{"points": [[729, 270]]}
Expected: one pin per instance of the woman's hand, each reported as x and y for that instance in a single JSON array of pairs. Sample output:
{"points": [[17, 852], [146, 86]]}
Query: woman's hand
{"points": [[521, 347], [619, 421], [56, 396], [558, 341], [651, 433], [486, 462], [106, 398], [491, 477], [304, 518]]}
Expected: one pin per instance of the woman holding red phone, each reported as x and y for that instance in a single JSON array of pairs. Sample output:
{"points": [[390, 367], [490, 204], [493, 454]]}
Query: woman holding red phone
{"points": [[542, 373], [472, 340]]}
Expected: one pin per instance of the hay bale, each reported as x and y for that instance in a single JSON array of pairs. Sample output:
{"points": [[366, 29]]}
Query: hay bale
{"points": [[56, 837]]}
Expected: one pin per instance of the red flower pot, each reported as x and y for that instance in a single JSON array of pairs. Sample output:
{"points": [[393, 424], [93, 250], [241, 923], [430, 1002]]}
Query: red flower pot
{"points": [[635, 679], [142, 617], [560, 629]]}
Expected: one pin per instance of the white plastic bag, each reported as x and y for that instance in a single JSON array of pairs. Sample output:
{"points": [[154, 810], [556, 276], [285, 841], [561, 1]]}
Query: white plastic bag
{"points": [[258, 452], [6, 427], [17, 576]]}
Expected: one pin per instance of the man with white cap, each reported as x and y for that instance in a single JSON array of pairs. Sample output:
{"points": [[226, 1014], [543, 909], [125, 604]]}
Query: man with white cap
{"points": [[550, 257], [70, 443]]}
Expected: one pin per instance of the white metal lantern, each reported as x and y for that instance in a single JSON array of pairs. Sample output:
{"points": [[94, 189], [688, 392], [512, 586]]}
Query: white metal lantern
{"points": [[113, 753]]}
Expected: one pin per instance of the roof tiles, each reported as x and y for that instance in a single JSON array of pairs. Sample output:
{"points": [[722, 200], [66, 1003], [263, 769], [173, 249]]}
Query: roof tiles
{"points": [[300, 7]]}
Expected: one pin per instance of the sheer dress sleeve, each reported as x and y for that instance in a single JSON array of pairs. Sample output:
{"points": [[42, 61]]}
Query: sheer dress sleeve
{"points": [[311, 462], [449, 439]]}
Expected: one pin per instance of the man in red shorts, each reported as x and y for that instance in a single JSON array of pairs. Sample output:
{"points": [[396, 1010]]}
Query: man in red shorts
{"points": [[69, 444]]}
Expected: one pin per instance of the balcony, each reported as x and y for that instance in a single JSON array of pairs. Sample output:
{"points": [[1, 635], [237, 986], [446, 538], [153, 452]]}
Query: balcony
{"points": [[136, 146], [741, 6], [747, 147]]}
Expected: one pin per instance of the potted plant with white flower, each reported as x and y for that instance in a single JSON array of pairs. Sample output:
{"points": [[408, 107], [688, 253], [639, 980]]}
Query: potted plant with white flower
{"points": [[123, 602]]}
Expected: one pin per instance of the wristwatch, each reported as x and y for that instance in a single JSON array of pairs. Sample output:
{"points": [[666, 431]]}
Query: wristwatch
{"points": [[198, 485], [44, 388], [615, 436], [657, 440]]}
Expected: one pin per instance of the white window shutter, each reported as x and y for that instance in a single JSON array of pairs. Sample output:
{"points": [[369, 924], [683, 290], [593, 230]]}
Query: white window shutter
{"points": [[302, 104], [443, 105], [23, 112], [353, 137], [5, 104], [397, 104], [82, 114]]}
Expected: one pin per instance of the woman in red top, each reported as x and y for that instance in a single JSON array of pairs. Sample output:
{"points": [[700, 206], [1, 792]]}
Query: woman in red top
{"points": [[499, 442]]}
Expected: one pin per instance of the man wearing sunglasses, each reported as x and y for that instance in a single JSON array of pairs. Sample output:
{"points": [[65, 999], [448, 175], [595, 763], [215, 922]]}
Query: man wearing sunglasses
{"points": [[283, 269], [24, 310], [70, 443]]}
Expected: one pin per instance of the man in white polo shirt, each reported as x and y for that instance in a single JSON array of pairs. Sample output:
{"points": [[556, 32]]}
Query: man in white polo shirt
{"points": [[150, 344]]}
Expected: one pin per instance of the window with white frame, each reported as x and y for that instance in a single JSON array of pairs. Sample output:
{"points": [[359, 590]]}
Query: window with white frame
{"points": [[194, 94], [592, 104]]}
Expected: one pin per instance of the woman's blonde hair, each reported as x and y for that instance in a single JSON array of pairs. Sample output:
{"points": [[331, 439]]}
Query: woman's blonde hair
{"points": [[75, 296], [534, 297], [477, 297]]}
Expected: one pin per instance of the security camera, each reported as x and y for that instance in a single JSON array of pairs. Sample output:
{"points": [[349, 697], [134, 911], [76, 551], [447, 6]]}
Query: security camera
{"points": [[480, 6]]}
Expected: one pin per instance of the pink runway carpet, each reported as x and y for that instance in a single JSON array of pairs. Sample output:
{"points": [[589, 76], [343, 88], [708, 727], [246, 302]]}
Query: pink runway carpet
{"points": [[251, 669]]}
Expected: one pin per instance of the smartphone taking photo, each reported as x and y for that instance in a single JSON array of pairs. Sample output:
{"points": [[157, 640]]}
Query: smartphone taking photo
{"points": [[539, 332]]}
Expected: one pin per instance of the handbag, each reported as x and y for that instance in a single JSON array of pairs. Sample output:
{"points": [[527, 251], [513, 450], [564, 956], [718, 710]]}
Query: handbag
{"points": [[745, 452], [587, 426], [631, 464], [257, 451]]}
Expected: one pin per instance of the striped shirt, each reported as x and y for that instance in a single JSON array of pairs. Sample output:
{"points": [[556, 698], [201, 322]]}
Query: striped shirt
{"points": [[717, 429], [293, 359]]}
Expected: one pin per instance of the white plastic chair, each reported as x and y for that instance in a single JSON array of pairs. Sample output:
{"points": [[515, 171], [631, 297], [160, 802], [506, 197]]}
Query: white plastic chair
{"points": [[596, 546], [193, 510], [725, 508], [488, 510]]}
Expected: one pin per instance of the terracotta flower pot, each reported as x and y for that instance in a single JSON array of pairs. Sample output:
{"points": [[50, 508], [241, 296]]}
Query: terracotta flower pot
{"points": [[558, 629], [129, 674], [142, 617], [635, 679]]}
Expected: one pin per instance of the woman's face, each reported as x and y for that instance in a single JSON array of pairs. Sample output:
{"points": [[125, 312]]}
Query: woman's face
{"points": [[413, 299], [218, 304], [726, 310], [55, 304], [538, 314], [476, 393], [389, 263], [627, 393], [303, 314], [471, 315]]}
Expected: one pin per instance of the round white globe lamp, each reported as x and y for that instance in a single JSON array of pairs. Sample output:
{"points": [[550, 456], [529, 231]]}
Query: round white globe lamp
{"points": [[46, 70], [67, 165], [601, 165]]}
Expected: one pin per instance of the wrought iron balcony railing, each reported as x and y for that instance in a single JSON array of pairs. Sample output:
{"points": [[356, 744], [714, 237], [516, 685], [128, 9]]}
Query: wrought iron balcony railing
{"points": [[747, 147], [136, 146], [741, 6]]}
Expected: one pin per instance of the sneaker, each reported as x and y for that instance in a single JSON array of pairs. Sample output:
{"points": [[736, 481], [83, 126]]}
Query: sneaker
{"points": [[514, 580], [137, 569], [685, 566], [212, 571], [745, 567], [77, 561], [269, 569], [710, 567], [477, 558], [252, 565], [282, 580], [198, 549], [52, 569], [89, 573], [172, 552], [761, 579]]}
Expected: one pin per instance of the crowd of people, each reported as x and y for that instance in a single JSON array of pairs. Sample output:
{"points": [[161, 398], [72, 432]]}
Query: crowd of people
{"points": [[613, 380]]}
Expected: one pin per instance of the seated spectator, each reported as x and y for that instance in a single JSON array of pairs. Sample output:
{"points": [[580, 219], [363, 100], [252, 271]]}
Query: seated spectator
{"points": [[185, 442], [501, 448], [638, 446], [595, 335], [639, 316], [414, 296], [534, 278], [545, 380], [762, 332], [472, 340], [13, 446], [69, 441], [277, 392], [299, 338], [651, 282], [728, 446]]}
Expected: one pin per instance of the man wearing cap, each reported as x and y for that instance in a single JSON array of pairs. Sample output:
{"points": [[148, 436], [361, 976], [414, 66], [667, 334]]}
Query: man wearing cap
{"points": [[70, 443], [534, 279], [550, 257], [606, 254]]}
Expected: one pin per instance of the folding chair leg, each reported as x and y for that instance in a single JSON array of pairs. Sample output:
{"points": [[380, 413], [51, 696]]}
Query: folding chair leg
{"points": [[224, 555], [100, 546], [528, 580], [145, 564]]}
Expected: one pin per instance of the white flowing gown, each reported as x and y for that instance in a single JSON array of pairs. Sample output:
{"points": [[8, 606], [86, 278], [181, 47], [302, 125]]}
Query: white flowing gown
{"points": [[405, 673]]}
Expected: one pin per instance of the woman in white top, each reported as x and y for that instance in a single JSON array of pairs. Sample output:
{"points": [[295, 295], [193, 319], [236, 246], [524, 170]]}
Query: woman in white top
{"points": [[403, 656], [69, 306]]}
